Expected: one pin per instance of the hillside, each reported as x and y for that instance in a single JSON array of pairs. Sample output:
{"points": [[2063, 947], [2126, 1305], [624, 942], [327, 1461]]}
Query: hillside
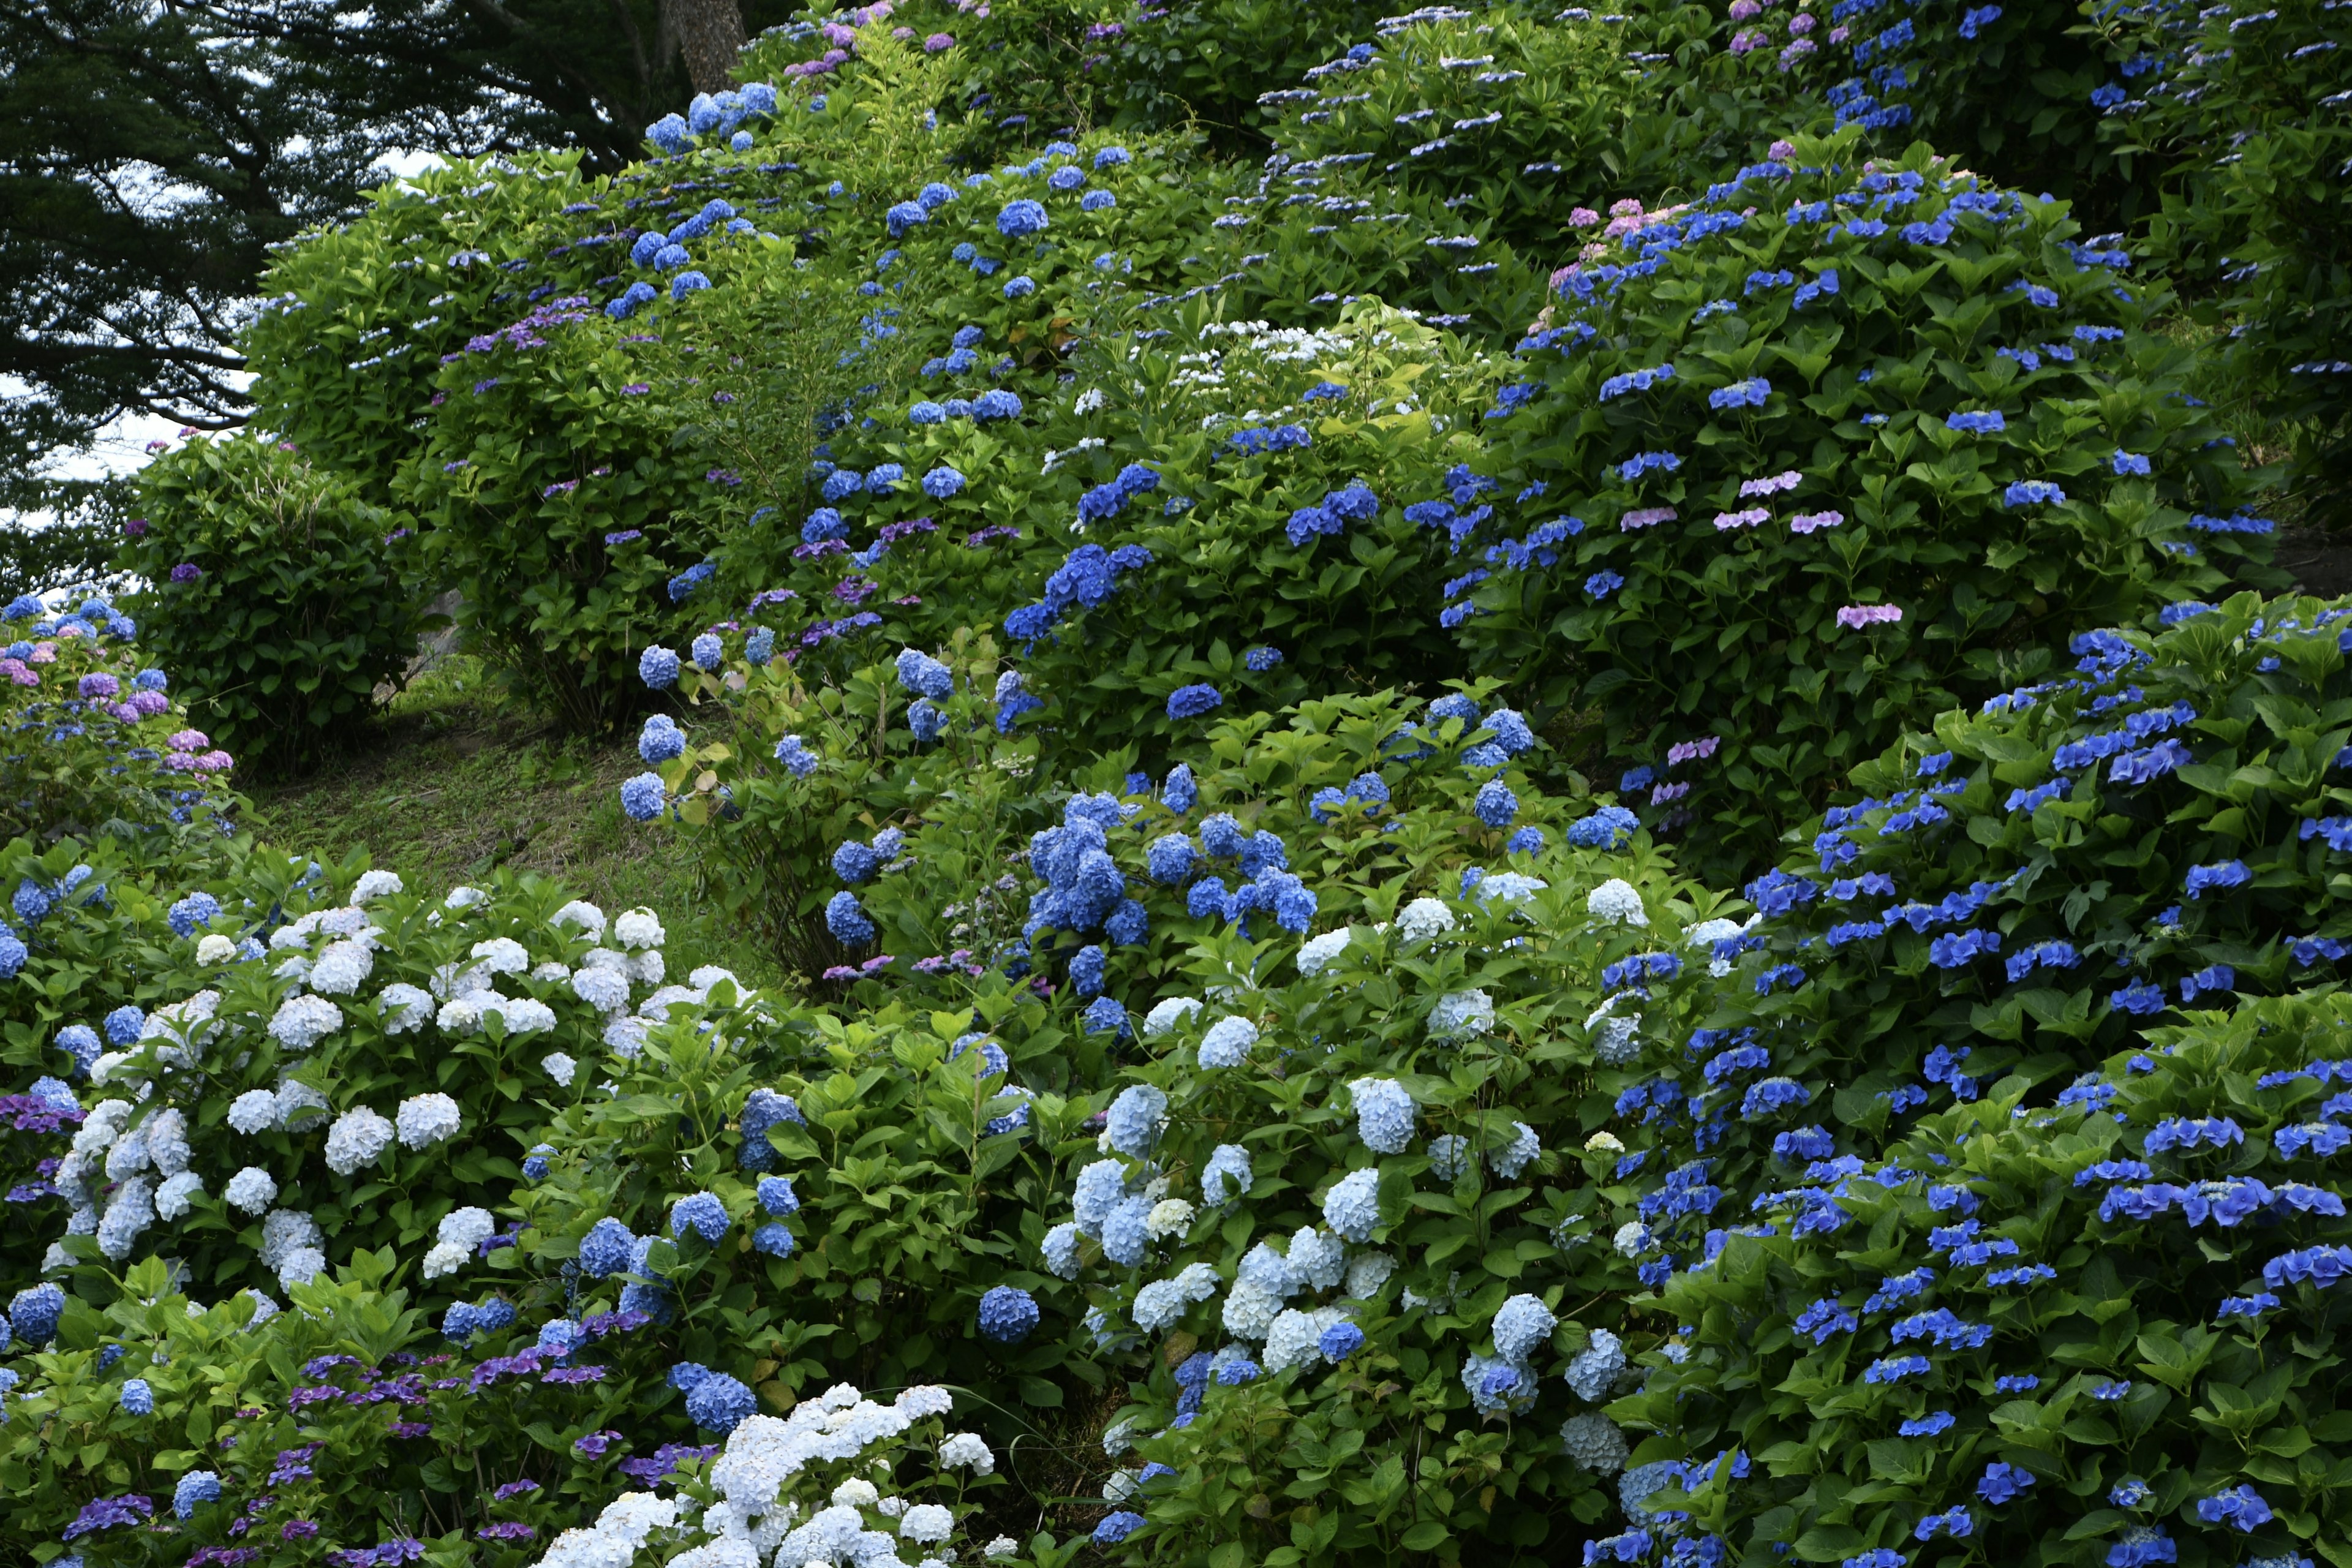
{"points": [[1231, 785]]}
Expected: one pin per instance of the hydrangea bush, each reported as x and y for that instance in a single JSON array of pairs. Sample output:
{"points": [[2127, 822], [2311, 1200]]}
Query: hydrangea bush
{"points": [[1897, 430], [2259, 221], [2093, 1333], [282, 597], [99, 746]]}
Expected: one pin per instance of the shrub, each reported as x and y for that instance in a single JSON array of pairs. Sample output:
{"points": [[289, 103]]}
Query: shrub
{"points": [[1515, 123], [2243, 103], [2006, 1336], [279, 596], [2024, 894], [101, 747], [336, 991], [1893, 456], [2006, 89]]}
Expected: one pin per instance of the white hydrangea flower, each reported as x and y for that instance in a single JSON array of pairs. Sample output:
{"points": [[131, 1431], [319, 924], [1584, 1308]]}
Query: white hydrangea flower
{"points": [[1170, 1216], [926, 1521], [406, 1009], [1317, 954], [1604, 1143], [302, 1021], [1594, 1442], [167, 1141], [560, 1067], [130, 1210], [358, 1137], [501, 955], [1294, 1339], [263, 1309], [444, 1258], [967, 1451], [463, 898], [1168, 1016], [522, 1014], [1616, 900], [301, 1106], [294, 934], [587, 916], [1707, 933], [341, 968], [1516, 1156], [639, 928], [1632, 1240], [1119, 1485], [856, 1491], [1227, 1175], [301, 1266], [647, 968], [284, 1230], [1003, 1546], [1227, 1044], [711, 975], [427, 1119], [177, 1193], [467, 1228], [376, 885], [1250, 1310], [460, 1015], [551, 972], [127, 1156], [1462, 1013], [602, 987], [1318, 1261], [252, 1189], [625, 1037], [214, 948], [1508, 887], [1424, 919], [1353, 1207], [296, 969], [1366, 1272]]}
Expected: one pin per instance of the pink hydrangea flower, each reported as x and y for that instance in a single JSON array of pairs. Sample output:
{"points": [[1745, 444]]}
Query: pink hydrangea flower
{"points": [[1777, 482], [1692, 750], [1808, 521], [1859, 616], [1725, 521], [1646, 517]]}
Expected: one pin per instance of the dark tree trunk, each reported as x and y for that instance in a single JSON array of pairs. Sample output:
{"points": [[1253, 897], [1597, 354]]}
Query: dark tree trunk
{"points": [[707, 33]]}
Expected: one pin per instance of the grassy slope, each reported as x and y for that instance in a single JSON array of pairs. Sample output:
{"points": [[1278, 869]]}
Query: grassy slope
{"points": [[458, 784]]}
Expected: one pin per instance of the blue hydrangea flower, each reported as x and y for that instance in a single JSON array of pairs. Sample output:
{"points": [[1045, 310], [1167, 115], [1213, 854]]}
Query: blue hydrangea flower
{"points": [[1191, 701], [642, 797], [707, 651], [606, 1249], [194, 1489], [1495, 805], [137, 1398], [658, 667], [1007, 1315], [772, 1239], [700, 1213], [925, 676], [1339, 1341], [1134, 1119], [719, 1404], [1019, 219], [1104, 1016], [187, 916], [942, 483], [847, 918], [660, 739]]}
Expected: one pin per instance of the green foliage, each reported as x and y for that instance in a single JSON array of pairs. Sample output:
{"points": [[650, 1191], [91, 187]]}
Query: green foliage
{"points": [[1813, 478], [2023, 895], [280, 594], [2138, 1366], [103, 752], [2258, 227], [1514, 122]]}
